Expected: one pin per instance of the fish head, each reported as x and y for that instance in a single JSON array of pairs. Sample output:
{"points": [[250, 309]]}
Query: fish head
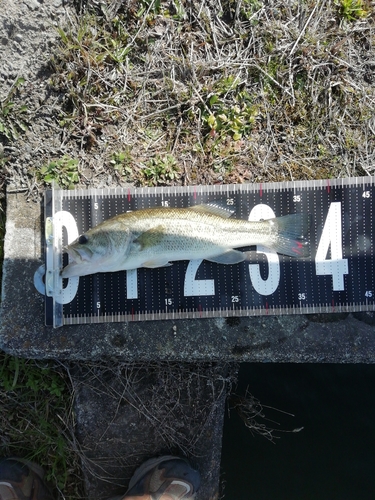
{"points": [[97, 250]]}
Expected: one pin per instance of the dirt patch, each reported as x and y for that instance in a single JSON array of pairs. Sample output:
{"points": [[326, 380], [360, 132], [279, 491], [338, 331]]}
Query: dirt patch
{"points": [[31, 137]]}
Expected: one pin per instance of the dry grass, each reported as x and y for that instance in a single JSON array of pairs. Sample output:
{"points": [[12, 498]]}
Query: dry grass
{"points": [[175, 400], [252, 413], [233, 91], [147, 410]]}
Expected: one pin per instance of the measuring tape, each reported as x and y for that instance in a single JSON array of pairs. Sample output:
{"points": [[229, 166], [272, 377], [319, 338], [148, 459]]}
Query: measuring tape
{"points": [[337, 277]]}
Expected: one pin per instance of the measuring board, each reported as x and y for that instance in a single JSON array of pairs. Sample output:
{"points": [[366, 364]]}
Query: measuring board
{"points": [[337, 277]]}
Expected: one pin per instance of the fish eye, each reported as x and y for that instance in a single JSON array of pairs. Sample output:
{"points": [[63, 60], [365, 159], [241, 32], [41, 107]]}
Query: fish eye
{"points": [[82, 239]]}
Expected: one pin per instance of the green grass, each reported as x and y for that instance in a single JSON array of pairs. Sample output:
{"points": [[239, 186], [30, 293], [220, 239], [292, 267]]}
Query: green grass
{"points": [[63, 171], [159, 171], [36, 419], [352, 10], [12, 114]]}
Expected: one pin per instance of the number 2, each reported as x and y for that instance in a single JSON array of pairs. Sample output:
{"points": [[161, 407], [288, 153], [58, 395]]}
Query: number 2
{"points": [[194, 287]]}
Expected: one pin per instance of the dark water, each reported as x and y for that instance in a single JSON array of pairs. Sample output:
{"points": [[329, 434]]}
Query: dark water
{"points": [[332, 458]]}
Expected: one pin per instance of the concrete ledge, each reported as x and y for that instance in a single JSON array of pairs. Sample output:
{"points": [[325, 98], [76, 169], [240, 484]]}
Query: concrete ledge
{"points": [[341, 338], [133, 412]]}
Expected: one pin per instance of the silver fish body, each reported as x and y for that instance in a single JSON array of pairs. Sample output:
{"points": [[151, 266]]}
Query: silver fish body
{"points": [[157, 236]]}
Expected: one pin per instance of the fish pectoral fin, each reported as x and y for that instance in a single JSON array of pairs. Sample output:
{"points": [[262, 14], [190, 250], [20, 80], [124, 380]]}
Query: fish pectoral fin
{"points": [[217, 208], [152, 264], [150, 238], [229, 257]]}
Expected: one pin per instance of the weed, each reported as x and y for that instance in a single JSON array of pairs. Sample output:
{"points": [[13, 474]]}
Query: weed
{"points": [[63, 171], [235, 121], [242, 71], [160, 171], [177, 10], [121, 163], [12, 115], [222, 117], [225, 167], [351, 10], [251, 412], [149, 7], [89, 68]]}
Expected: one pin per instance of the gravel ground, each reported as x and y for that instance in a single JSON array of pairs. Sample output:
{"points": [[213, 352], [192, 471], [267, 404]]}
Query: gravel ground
{"points": [[28, 37]]}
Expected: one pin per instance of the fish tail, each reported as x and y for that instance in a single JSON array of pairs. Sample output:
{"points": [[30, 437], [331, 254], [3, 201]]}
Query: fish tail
{"points": [[291, 235]]}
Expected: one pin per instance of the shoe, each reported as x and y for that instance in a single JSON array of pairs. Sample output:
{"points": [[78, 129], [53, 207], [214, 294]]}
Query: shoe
{"points": [[22, 480], [163, 478]]}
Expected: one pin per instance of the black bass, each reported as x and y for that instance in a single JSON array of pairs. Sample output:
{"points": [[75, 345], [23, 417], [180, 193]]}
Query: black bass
{"points": [[155, 237]]}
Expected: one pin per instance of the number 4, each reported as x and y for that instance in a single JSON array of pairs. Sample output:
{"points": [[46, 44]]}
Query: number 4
{"points": [[336, 266]]}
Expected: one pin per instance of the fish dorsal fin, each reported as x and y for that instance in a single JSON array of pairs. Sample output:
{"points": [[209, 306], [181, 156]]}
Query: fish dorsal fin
{"points": [[220, 209]]}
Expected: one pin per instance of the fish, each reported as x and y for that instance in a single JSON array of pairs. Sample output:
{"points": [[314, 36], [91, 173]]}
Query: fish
{"points": [[156, 237]]}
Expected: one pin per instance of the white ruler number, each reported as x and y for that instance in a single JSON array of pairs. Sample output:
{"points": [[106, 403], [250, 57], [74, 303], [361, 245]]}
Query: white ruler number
{"points": [[336, 266], [269, 285], [194, 287], [132, 284], [64, 295]]}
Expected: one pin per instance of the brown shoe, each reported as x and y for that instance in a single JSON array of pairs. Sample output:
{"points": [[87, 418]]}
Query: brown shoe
{"points": [[22, 480], [163, 478]]}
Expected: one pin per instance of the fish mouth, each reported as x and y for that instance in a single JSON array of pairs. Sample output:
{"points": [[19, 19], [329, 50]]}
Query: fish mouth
{"points": [[78, 255], [80, 262], [74, 255]]}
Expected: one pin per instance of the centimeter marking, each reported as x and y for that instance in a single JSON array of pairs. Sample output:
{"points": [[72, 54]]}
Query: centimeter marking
{"points": [[339, 276], [261, 188]]}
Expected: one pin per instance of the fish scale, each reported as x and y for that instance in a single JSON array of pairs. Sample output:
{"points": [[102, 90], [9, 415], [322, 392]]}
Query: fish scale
{"points": [[338, 276]]}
